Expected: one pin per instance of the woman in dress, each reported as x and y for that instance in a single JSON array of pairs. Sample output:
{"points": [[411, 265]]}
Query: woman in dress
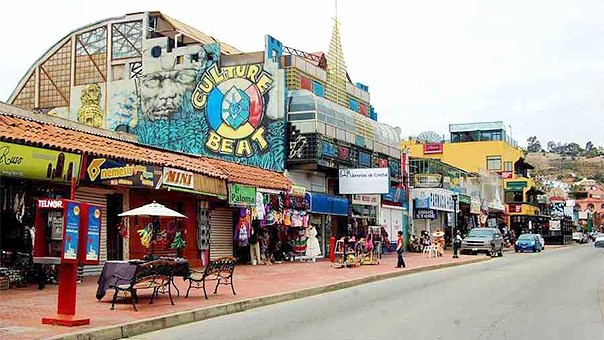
{"points": [[313, 248]]}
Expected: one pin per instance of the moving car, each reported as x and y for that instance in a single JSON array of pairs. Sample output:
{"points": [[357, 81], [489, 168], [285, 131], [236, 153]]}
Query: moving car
{"points": [[542, 241], [528, 242], [599, 242], [580, 237], [483, 240]]}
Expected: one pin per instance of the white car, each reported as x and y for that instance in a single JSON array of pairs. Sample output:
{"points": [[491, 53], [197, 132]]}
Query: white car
{"points": [[599, 242]]}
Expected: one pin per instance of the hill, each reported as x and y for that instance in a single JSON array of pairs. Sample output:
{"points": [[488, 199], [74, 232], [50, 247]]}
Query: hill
{"points": [[554, 165]]}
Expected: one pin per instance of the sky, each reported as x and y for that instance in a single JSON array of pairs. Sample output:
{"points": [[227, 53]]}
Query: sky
{"points": [[536, 65]]}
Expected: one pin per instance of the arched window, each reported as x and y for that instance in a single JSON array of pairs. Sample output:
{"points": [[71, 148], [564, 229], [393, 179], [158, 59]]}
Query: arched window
{"points": [[591, 206]]}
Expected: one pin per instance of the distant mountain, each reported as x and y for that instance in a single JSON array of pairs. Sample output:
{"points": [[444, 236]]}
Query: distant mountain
{"points": [[556, 166]]}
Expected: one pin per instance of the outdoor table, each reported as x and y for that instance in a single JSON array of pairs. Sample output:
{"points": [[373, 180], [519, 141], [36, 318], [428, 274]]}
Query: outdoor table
{"points": [[126, 270]]}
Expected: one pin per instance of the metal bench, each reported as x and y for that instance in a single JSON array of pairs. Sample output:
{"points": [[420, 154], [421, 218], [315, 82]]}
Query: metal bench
{"points": [[219, 270], [153, 275]]}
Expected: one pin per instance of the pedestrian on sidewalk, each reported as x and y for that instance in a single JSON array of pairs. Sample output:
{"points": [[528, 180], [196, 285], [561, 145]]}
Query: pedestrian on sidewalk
{"points": [[399, 250]]}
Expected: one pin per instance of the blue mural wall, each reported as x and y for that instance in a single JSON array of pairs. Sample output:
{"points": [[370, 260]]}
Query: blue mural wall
{"points": [[181, 99]]}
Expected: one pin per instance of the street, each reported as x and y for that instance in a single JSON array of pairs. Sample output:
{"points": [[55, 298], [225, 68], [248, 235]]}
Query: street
{"points": [[556, 294]]}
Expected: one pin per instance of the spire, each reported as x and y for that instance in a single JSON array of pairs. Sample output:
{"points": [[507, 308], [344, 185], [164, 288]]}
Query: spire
{"points": [[336, 67]]}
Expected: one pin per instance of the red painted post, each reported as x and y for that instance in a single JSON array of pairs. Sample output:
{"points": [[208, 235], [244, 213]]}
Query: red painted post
{"points": [[332, 249], [67, 289]]}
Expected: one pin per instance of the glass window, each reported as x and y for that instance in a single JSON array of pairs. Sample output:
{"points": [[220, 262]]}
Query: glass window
{"points": [[301, 116], [301, 101], [321, 117], [513, 197], [493, 162], [508, 166]]}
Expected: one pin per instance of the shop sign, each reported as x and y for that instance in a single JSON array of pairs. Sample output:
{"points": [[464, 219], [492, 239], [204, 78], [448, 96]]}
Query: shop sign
{"points": [[396, 194], [178, 178], [364, 181], [475, 207], [554, 225], [71, 232], [437, 199], [365, 199], [465, 199], [29, 162], [507, 174], [515, 208], [242, 195], [433, 148], [47, 203], [427, 180], [516, 185], [425, 214], [298, 190], [114, 172], [344, 152]]}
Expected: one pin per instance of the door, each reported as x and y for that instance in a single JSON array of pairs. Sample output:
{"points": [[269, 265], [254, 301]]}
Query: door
{"points": [[114, 240]]}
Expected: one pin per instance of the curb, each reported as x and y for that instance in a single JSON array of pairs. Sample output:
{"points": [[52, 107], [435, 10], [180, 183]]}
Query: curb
{"points": [[142, 326]]}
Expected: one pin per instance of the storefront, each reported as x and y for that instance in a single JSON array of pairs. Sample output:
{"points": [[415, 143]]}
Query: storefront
{"points": [[392, 215], [27, 174], [431, 208], [329, 214]]}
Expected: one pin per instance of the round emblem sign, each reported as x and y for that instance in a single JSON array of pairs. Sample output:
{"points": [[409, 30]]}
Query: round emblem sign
{"points": [[76, 210], [234, 108]]}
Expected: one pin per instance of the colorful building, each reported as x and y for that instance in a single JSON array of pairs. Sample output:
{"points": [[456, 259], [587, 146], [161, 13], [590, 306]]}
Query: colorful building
{"points": [[487, 147]]}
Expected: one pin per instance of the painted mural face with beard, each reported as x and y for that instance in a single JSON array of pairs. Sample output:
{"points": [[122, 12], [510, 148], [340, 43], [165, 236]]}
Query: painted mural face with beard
{"points": [[162, 92]]}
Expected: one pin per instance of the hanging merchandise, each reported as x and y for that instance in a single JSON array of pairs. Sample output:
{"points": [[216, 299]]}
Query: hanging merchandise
{"points": [[259, 211], [123, 227], [297, 219], [146, 235], [242, 232], [179, 242]]}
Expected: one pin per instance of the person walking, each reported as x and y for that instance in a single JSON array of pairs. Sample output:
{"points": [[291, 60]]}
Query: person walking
{"points": [[399, 250]]}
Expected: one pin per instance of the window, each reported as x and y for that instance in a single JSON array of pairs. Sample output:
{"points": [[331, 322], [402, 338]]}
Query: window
{"points": [[508, 166], [493, 162], [513, 197]]}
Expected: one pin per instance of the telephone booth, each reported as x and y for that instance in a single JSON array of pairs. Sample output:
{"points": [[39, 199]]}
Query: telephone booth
{"points": [[67, 233]]}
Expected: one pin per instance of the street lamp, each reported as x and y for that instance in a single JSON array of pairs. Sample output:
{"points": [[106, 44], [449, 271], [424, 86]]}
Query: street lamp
{"points": [[453, 236]]}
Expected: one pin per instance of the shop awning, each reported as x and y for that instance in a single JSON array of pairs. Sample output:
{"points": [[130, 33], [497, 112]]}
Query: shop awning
{"points": [[252, 176], [327, 204]]}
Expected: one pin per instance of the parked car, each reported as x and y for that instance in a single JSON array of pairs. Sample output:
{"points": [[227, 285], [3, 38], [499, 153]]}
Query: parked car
{"points": [[599, 242], [483, 240], [577, 236], [528, 242]]}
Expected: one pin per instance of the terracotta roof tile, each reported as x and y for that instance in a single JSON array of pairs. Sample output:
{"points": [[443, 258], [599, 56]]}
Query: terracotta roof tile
{"points": [[32, 132], [252, 176]]}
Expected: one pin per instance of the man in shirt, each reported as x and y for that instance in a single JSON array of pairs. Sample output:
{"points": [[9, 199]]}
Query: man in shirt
{"points": [[399, 250]]}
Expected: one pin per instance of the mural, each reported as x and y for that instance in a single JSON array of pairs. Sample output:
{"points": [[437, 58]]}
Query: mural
{"points": [[182, 99], [87, 104]]}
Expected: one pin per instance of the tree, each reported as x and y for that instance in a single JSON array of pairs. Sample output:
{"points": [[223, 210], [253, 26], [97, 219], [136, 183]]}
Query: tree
{"points": [[572, 149], [533, 144], [589, 146], [552, 146]]}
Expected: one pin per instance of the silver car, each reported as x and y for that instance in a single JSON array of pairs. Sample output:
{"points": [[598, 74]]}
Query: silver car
{"points": [[483, 240]]}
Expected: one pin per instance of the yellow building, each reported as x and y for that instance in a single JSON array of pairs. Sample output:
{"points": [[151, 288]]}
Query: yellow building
{"points": [[486, 146]]}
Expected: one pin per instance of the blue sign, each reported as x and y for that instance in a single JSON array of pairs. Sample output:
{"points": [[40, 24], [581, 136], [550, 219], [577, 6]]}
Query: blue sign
{"points": [[395, 194], [423, 203], [328, 149], [364, 159], [94, 229], [425, 214], [72, 230]]}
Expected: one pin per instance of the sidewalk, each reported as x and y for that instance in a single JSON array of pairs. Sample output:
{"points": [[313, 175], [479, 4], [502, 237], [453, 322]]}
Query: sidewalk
{"points": [[21, 310]]}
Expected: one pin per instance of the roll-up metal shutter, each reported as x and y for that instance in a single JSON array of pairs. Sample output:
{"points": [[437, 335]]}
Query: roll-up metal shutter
{"points": [[96, 196], [222, 224]]}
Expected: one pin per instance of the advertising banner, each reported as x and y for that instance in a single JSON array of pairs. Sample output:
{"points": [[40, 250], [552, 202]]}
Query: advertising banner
{"points": [[436, 199], [366, 199], [94, 231], [114, 172], [29, 162], [71, 232], [364, 181]]}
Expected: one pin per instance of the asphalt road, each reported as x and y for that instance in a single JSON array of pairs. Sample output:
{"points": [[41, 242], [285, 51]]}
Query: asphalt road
{"points": [[556, 294]]}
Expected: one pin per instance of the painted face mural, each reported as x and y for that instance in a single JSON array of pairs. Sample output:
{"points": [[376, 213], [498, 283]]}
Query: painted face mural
{"points": [[183, 100]]}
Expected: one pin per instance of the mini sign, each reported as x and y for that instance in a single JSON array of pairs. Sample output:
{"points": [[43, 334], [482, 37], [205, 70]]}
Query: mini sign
{"points": [[178, 178]]}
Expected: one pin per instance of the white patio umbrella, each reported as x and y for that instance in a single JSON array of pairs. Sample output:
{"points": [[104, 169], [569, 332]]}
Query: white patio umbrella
{"points": [[153, 210]]}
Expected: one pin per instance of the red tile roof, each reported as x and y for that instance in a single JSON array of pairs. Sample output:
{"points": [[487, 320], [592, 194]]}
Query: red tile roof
{"points": [[252, 176], [29, 131]]}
